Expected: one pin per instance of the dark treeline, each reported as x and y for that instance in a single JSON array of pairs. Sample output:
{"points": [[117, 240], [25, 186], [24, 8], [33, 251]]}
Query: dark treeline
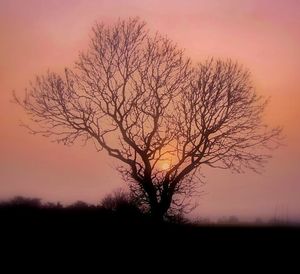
{"points": [[119, 206], [28, 211], [118, 213], [116, 227]]}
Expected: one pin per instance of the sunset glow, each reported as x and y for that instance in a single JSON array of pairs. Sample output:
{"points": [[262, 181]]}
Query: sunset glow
{"points": [[165, 165], [262, 35]]}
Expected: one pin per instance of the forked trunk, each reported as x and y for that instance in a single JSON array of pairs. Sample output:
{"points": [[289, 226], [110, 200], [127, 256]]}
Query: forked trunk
{"points": [[158, 205]]}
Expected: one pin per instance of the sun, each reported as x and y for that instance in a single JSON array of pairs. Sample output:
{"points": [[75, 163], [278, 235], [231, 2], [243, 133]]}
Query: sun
{"points": [[165, 165]]}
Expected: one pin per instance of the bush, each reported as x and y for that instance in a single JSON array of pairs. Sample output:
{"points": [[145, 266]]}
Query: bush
{"points": [[120, 202]]}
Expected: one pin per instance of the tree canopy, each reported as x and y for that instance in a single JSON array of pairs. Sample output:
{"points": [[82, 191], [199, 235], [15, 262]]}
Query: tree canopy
{"points": [[137, 96]]}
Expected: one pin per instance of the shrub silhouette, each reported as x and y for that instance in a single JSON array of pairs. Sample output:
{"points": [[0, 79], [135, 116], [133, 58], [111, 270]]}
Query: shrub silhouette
{"points": [[121, 202], [22, 202], [79, 205]]}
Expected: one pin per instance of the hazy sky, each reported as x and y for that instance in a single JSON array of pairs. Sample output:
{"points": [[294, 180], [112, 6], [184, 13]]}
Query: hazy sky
{"points": [[37, 35]]}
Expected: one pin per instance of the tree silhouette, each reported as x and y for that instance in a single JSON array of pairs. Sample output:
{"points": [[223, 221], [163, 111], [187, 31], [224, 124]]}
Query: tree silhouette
{"points": [[138, 97]]}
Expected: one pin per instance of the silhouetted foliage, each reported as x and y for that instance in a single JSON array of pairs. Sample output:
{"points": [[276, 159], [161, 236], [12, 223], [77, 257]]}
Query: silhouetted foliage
{"points": [[138, 97], [122, 203], [127, 228], [57, 205], [79, 204], [22, 202]]}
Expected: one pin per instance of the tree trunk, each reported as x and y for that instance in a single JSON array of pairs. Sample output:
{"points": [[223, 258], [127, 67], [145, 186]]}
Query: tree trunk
{"points": [[160, 209], [157, 213]]}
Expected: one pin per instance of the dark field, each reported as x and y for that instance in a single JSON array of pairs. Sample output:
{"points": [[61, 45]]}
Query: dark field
{"points": [[127, 227]]}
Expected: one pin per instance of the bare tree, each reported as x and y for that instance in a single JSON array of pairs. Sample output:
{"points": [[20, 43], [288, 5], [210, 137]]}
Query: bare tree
{"points": [[139, 98]]}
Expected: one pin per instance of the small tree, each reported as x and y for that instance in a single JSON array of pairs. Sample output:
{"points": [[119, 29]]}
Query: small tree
{"points": [[140, 99]]}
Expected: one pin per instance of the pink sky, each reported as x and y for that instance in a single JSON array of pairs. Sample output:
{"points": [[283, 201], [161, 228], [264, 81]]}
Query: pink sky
{"points": [[262, 35]]}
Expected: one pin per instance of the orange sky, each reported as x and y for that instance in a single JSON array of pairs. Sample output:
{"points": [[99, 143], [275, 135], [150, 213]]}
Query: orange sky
{"points": [[263, 35]]}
